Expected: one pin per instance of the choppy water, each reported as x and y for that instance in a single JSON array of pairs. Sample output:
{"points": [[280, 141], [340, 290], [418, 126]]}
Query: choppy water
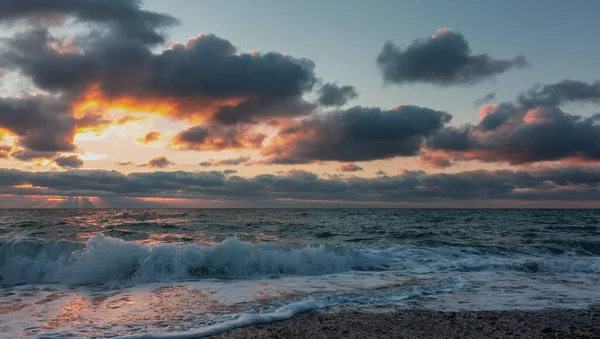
{"points": [[184, 273]]}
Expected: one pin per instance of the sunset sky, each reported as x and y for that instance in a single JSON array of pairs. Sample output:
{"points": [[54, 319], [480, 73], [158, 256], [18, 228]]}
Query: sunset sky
{"points": [[122, 103]]}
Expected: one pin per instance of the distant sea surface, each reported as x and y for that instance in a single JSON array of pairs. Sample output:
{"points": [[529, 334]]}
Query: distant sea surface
{"points": [[185, 273]]}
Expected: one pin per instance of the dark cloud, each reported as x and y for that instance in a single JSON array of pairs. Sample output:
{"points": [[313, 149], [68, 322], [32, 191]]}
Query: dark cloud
{"points": [[71, 161], [159, 162], [226, 162], [576, 183], [560, 93], [381, 172], [123, 17], [44, 125], [485, 99], [116, 64], [451, 139], [530, 130], [231, 162], [27, 155], [207, 77], [212, 137], [41, 123], [150, 137], [444, 59], [125, 163], [229, 172], [350, 168], [332, 94], [356, 134], [254, 110]]}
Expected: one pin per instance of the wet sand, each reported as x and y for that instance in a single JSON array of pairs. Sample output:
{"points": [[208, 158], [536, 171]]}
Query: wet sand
{"points": [[408, 324]]}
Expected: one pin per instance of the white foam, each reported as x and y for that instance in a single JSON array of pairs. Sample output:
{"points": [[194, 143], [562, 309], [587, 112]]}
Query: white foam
{"points": [[207, 306], [240, 320]]}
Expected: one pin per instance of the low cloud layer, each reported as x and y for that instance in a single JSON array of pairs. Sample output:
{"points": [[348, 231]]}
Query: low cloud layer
{"points": [[444, 59], [577, 183]]}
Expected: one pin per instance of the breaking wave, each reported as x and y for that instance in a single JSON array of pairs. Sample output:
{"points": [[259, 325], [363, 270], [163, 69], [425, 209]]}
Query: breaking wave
{"points": [[103, 259]]}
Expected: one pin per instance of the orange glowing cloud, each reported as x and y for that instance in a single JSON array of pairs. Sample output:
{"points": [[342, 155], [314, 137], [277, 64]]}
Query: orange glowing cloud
{"points": [[487, 110], [537, 115], [192, 109], [150, 137]]}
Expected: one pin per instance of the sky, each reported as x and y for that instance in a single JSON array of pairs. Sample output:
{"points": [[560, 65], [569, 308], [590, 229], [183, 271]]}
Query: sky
{"points": [[123, 103]]}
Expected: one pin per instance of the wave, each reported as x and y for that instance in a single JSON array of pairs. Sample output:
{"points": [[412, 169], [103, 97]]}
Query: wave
{"points": [[103, 259]]}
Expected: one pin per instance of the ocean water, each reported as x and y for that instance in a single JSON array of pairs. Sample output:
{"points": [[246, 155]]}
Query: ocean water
{"points": [[188, 273]]}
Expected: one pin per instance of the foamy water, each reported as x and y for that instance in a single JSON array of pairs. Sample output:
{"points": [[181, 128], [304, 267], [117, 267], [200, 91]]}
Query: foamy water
{"points": [[97, 285]]}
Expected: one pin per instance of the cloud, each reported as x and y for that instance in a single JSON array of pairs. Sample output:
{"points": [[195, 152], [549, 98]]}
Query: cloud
{"points": [[444, 59], [381, 172], [560, 93], [355, 134], [205, 79], [212, 137], [116, 63], [125, 163], [530, 130], [41, 123], [573, 183], [485, 99], [331, 94], [159, 162], [44, 123], [27, 155], [229, 172], [255, 110], [226, 162], [5, 151], [434, 160], [150, 137], [123, 17], [71, 161], [350, 168]]}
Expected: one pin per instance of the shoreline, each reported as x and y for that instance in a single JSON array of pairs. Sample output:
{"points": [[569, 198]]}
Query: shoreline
{"points": [[420, 323]]}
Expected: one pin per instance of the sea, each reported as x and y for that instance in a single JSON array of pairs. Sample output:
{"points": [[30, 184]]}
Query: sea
{"points": [[188, 273]]}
